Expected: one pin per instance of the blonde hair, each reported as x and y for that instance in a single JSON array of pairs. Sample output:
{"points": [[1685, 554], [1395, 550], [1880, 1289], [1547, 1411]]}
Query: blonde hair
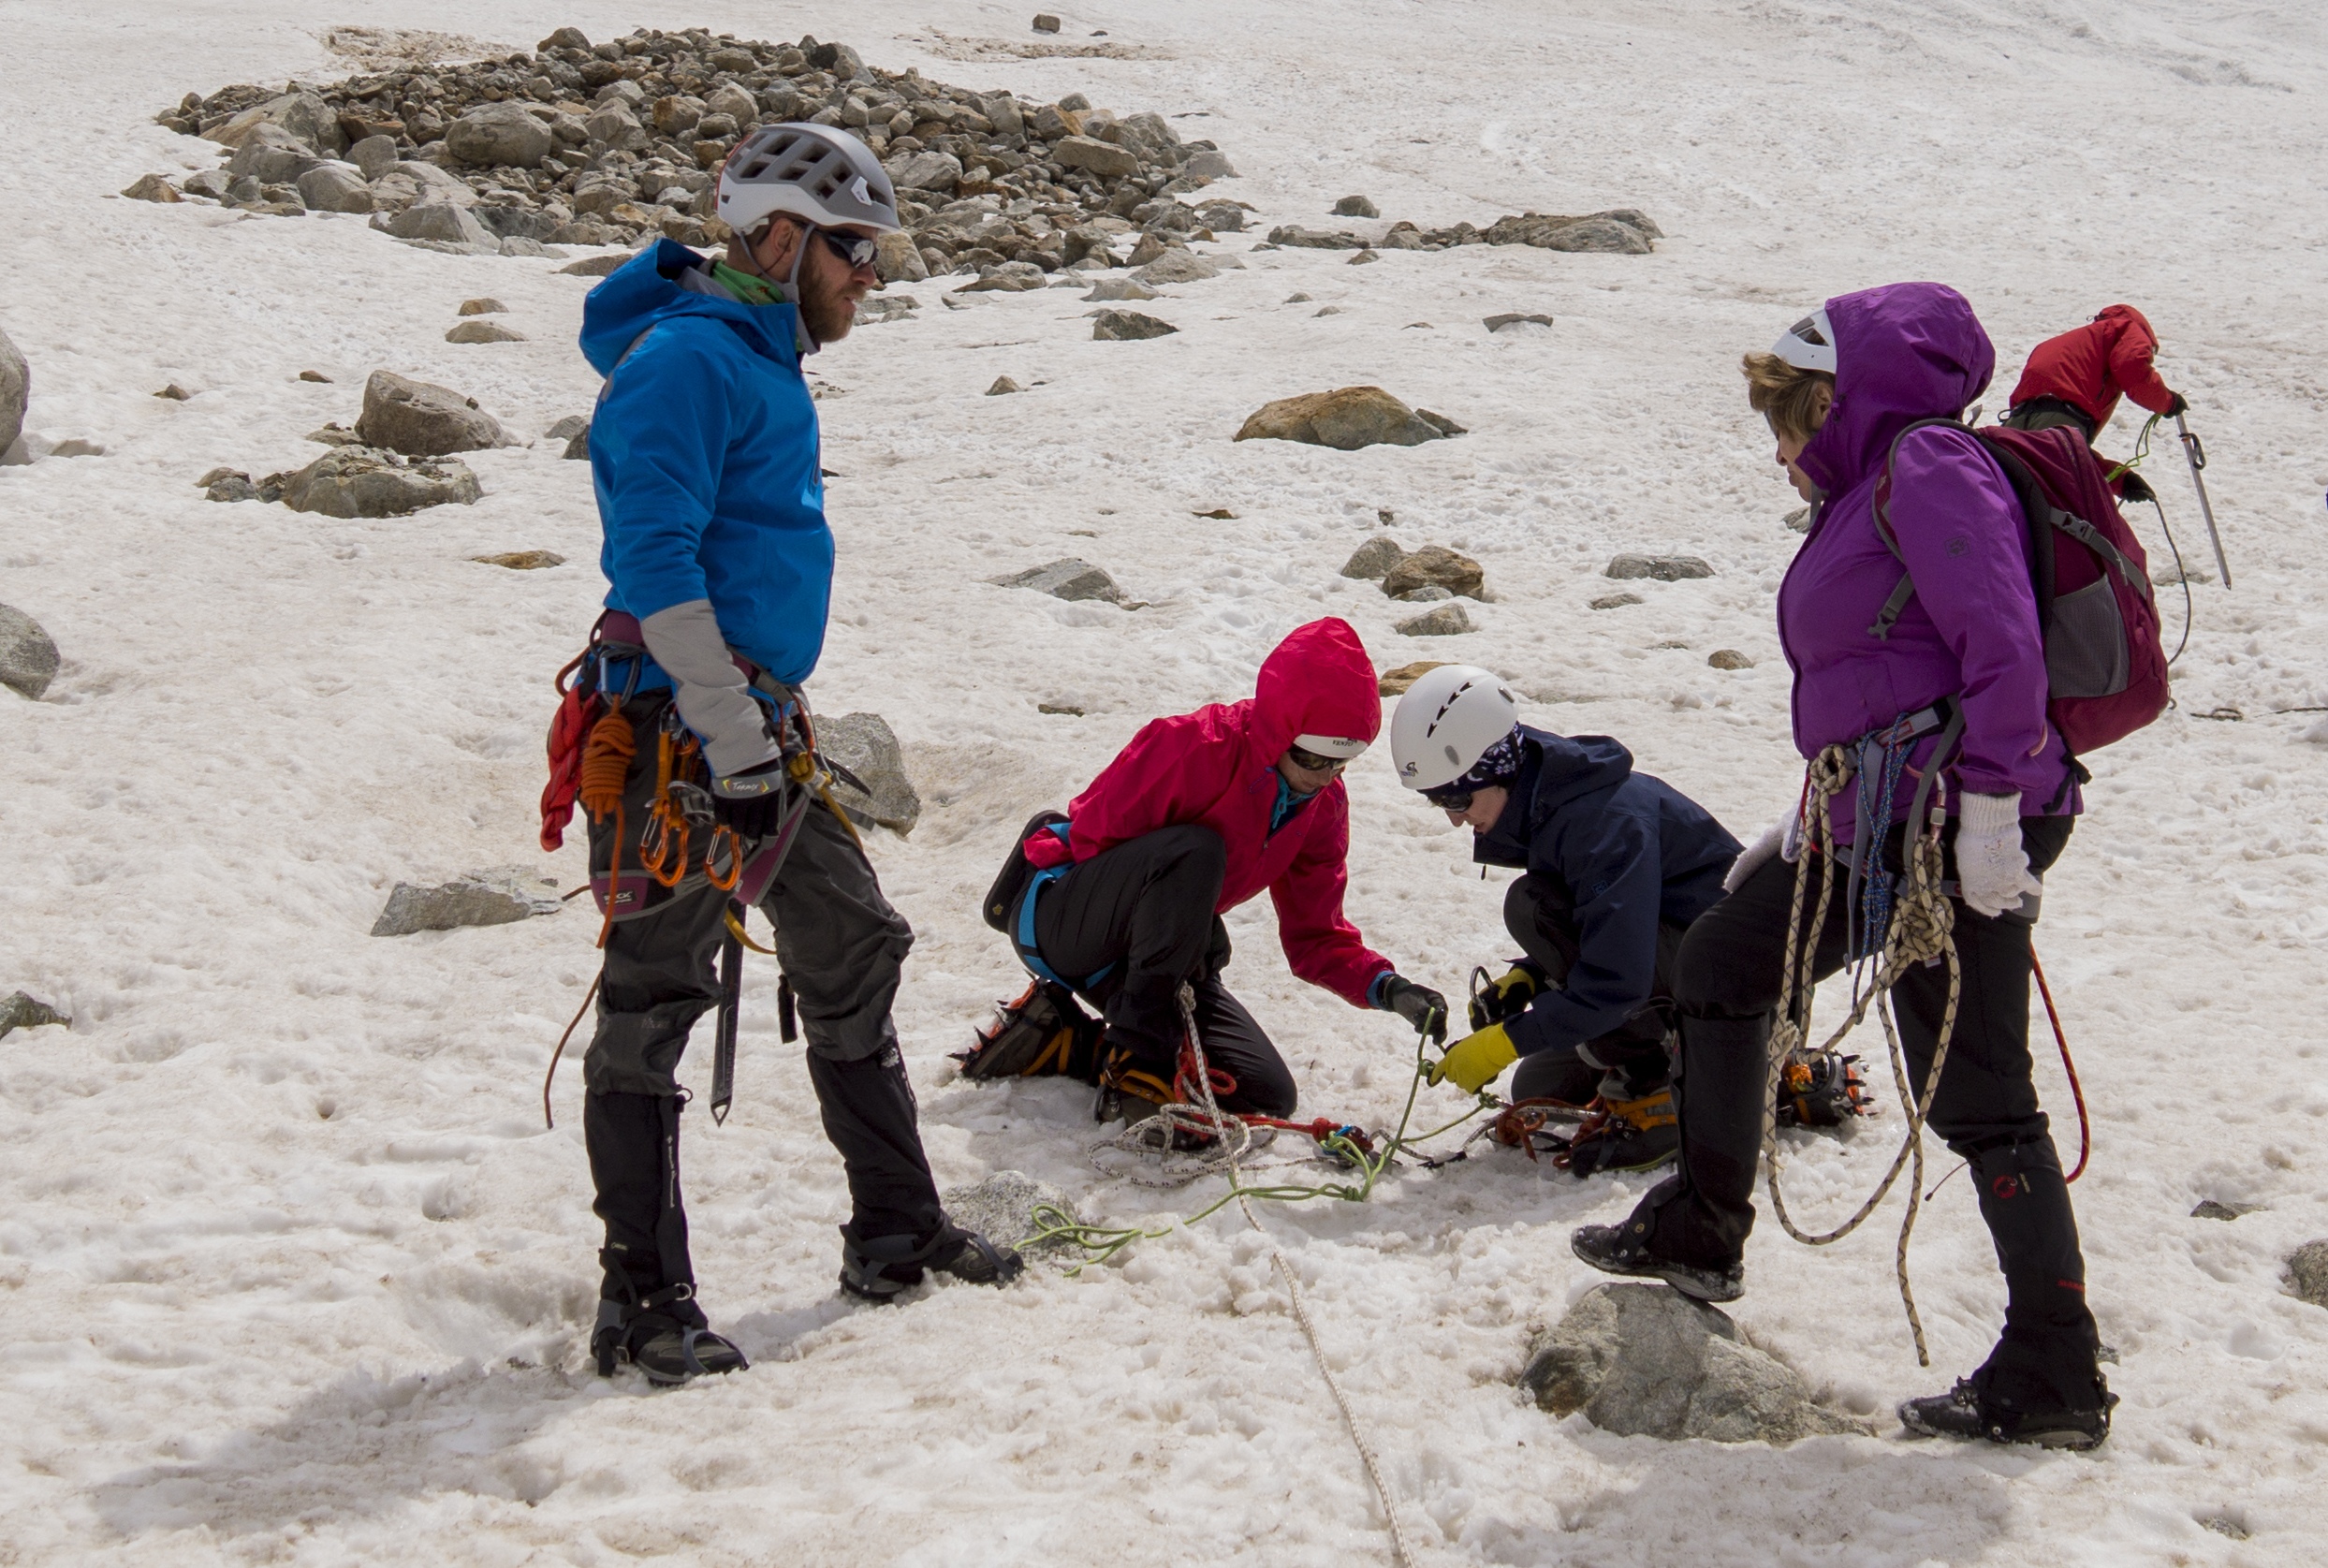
{"points": [[1794, 401]]}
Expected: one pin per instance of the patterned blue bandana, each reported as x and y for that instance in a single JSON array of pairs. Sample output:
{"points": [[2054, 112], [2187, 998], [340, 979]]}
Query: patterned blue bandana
{"points": [[1500, 764]]}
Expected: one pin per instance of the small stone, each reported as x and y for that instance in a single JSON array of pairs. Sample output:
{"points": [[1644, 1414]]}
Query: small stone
{"points": [[1799, 520], [1497, 323], [1176, 266], [234, 487], [1371, 561], [1046, 23], [1002, 386], [487, 898], [1011, 277], [594, 266], [28, 658], [316, 376], [1069, 579], [1059, 709], [174, 392], [1346, 419], [1297, 299], [1429, 592], [334, 187], [20, 1011], [1617, 601], [1439, 422], [1435, 565], [1313, 238], [424, 420], [1219, 514], [926, 171], [2209, 1209], [1396, 682], [1128, 327], [78, 446], [1001, 1209], [1152, 247], [1121, 288], [1362, 258], [335, 436], [1208, 166], [443, 222], [362, 482], [1729, 658], [865, 745], [897, 307], [567, 429], [579, 446], [153, 187], [482, 307], [1447, 620], [1356, 207], [15, 391], [522, 560], [1643, 1360], [1103, 158], [215, 474], [213, 182], [2307, 1273], [484, 331], [373, 156], [897, 259], [1664, 568]]}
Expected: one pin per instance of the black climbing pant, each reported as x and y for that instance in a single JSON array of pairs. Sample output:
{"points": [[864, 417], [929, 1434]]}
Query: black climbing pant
{"points": [[1541, 917], [1140, 918], [1986, 1107], [841, 948]]}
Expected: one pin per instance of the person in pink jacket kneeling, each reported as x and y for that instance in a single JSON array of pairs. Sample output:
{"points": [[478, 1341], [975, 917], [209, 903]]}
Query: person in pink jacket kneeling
{"points": [[1119, 901]]}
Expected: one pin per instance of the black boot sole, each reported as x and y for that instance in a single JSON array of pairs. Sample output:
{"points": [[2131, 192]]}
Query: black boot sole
{"points": [[1709, 1286]]}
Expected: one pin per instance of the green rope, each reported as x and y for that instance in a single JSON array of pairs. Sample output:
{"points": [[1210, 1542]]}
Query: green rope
{"points": [[1101, 1243], [2142, 447]]}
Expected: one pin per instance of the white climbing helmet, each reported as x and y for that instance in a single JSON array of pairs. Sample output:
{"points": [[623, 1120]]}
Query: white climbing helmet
{"points": [[824, 176], [1810, 343], [1446, 721]]}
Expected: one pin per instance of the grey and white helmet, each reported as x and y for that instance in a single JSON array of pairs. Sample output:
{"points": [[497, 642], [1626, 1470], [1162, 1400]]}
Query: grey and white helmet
{"points": [[823, 176]]}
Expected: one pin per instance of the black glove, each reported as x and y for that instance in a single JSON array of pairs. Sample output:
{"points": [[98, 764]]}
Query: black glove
{"points": [[1421, 1006], [751, 802], [2176, 405], [2135, 488]]}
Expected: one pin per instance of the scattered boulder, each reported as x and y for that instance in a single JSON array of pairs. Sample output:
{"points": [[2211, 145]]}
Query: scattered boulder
{"points": [[1371, 561], [439, 221], [1103, 158], [504, 133], [2307, 1273], [1356, 207], [1067, 578], [335, 435], [594, 266], [872, 312], [1646, 1361], [522, 560], [422, 419], [1435, 565], [926, 171], [486, 898], [1447, 620], [367, 482], [1431, 593], [28, 658], [174, 393], [212, 183], [1497, 323], [1396, 682], [1001, 1209], [482, 307], [153, 187], [1363, 258], [897, 259], [1003, 386], [484, 331], [1662, 569], [20, 1011], [335, 187], [567, 429], [1152, 246], [1346, 419], [1729, 658], [1617, 601], [1121, 288], [1046, 23], [78, 446], [864, 744], [1208, 164], [316, 376], [373, 156], [577, 446], [1128, 327], [15, 392], [2211, 1208], [1314, 238], [1176, 266], [1011, 277]]}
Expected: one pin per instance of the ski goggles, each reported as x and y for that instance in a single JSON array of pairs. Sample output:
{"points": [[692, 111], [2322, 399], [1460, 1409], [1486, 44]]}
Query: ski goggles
{"points": [[854, 250], [1450, 797]]}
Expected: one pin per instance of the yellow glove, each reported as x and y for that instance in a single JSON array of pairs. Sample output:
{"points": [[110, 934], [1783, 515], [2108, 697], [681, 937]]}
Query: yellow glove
{"points": [[1472, 1063], [1507, 996]]}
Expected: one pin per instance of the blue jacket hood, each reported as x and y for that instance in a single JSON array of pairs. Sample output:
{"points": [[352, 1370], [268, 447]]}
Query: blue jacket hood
{"points": [[644, 291]]}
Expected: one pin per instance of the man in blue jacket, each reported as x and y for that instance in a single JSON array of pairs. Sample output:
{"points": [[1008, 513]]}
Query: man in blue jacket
{"points": [[1617, 864], [703, 455]]}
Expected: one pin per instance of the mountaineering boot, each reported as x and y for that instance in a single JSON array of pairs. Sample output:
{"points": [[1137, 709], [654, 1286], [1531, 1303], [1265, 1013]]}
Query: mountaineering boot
{"points": [[1627, 1134], [2048, 1356], [1964, 1412], [881, 1268], [1821, 1089], [1042, 1034], [1627, 1250], [663, 1336]]}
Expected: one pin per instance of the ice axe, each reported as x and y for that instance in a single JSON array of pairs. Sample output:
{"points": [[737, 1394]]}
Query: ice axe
{"points": [[2194, 453]]}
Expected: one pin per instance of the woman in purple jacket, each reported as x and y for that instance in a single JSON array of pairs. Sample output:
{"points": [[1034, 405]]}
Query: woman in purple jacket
{"points": [[1837, 391]]}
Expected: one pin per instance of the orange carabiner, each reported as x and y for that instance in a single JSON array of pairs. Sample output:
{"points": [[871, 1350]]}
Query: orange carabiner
{"points": [[735, 858]]}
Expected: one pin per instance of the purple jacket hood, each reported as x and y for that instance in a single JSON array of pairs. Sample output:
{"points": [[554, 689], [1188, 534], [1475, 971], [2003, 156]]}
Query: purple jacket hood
{"points": [[1907, 352]]}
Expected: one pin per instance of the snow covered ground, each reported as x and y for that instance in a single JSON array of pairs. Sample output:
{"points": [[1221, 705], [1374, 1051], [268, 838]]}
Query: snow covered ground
{"points": [[289, 1272]]}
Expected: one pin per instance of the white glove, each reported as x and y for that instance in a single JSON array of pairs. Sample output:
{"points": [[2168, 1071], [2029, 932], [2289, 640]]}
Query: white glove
{"points": [[1783, 838], [1992, 868]]}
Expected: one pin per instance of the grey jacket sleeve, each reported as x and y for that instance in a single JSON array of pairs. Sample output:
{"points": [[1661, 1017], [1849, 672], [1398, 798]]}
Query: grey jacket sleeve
{"points": [[707, 689]]}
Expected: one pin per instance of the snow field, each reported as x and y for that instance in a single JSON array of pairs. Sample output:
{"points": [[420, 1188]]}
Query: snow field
{"points": [[290, 1271]]}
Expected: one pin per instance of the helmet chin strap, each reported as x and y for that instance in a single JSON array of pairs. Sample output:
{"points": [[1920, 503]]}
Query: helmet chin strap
{"points": [[789, 289]]}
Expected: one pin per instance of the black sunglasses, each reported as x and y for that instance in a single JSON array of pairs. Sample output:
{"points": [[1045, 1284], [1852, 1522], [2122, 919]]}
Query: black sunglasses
{"points": [[850, 248], [1449, 801], [1309, 762]]}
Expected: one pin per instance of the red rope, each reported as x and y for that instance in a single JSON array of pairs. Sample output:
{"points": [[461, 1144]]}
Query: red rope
{"points": [[2085, 1129]]}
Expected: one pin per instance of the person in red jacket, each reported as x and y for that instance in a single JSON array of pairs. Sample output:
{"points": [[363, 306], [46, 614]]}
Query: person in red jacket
{"points": [[1198, 813], [2078, 378]]}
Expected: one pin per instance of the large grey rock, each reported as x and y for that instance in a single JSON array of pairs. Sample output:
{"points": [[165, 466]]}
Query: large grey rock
{"points": [[1128, 327], [1001, 1209], [1346, 419], [16, 385], [335, 187], [1356, 207], [1316, 240], [1643, 1360], [20, 1011], [1103, 158], [1176, 266], [615, 126], [897, 259], [1119, 289], [375, 155], [926, 171], [1446, 620], [1011, 277], [486, 898], [481, 330], [153, 187], [422, 419], [1371, 561], [444, 222], [1067, 578], [365, 482], [865, 745], [1435, 567], [27, 656], [302, 116], [1208, 164], [272, 156], [1664, 568], [2307, 1273], [503, 134]]}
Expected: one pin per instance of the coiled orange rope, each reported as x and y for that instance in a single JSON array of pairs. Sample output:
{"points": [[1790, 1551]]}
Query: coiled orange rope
{"points": [[605, 767]]}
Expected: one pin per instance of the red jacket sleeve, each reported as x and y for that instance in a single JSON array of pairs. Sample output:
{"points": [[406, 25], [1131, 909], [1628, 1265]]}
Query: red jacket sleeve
{"points": [[2131, 359], [1321, 947], [1170, 772]]}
